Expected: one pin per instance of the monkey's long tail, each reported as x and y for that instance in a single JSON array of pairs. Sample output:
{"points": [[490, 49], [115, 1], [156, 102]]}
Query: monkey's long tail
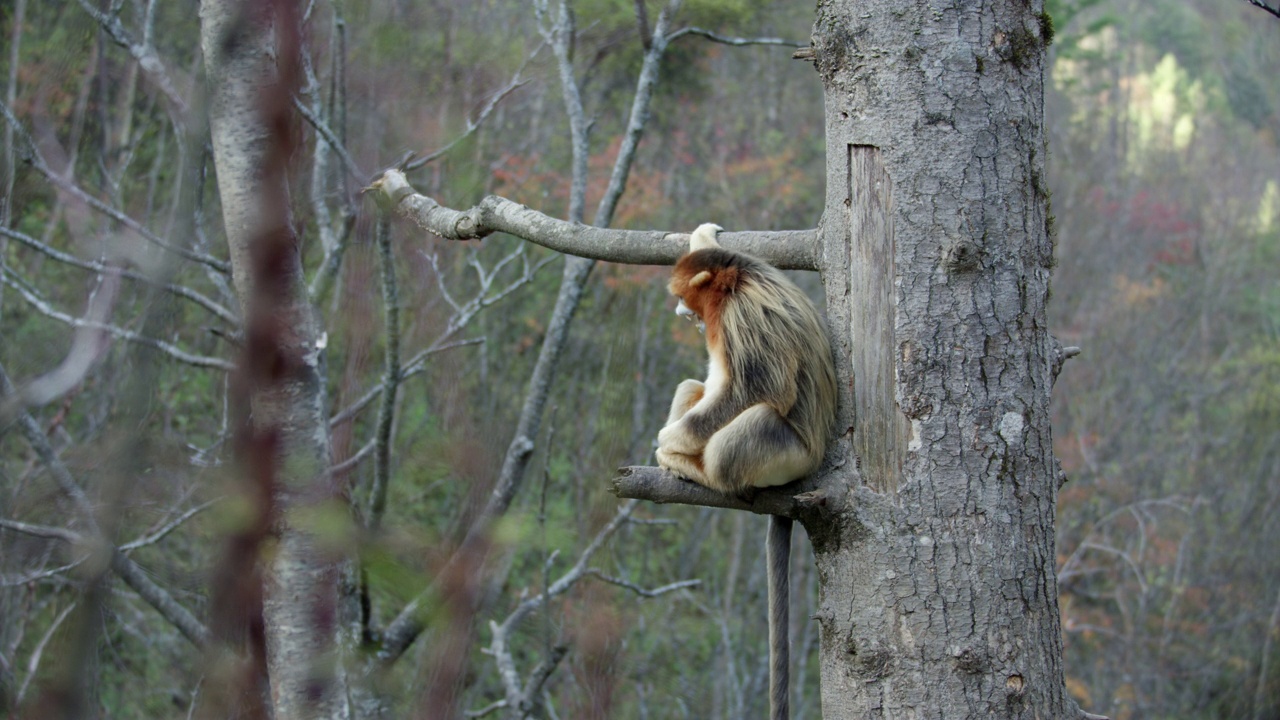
{"points": [[778, 556]]}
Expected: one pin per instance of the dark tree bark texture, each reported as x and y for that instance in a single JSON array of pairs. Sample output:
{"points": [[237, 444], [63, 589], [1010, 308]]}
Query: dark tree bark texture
{"points": [[939, 597]]}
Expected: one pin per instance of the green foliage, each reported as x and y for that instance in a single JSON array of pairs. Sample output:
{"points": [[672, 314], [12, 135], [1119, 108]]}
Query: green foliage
{"points": [[1065, 19], [1167, 236]]}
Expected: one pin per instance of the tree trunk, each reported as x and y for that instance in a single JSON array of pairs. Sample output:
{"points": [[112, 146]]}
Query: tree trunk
{"points": [[250, 51], [939, 597]]}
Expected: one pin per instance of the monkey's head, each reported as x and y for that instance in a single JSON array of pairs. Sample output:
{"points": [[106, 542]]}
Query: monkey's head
{"points": [[706, 277]]}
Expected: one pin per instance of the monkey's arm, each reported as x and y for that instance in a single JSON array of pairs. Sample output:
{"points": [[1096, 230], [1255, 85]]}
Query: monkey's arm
{"points": [[676, 436], [700, 416], [688, 393], [679, 449]]}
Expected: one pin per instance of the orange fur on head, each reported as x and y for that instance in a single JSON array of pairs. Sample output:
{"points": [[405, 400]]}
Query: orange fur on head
{"points": [[704, 280]]}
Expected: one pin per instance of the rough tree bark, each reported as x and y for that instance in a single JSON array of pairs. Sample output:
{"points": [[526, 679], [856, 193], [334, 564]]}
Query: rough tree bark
{"points": [[933, 520], [938, 588], [250, 51]]}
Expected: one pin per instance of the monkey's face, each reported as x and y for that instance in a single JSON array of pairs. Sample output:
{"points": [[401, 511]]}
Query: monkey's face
{"points": [[704, 281], [685, 312]]}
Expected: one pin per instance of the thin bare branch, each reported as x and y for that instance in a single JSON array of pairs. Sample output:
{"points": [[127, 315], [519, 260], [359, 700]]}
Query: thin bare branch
{"points": [[487, 710], [169, 527], [129, 571], [327, 273], [167, 348], [577, 572], [17, 21], [642, 23], [144, 53], [533, 687], [44, 450], [33, 663], [473, 125], [1070, 566], [132, 574], [520, 696], [560, 35], [41, 531], [1259, 4], [642, 591], [32, 155], [88, 345], [1260, 693], [788, 249], [20, 580], [736, 41], [364, 452], [415, 366], [334, 143], [333, 241], [159, 599], [638, 118], [181, 291], [463, 314]]}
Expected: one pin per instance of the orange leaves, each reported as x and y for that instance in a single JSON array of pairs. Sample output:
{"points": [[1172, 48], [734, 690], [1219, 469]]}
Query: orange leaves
{"points": [[1137, 292]]}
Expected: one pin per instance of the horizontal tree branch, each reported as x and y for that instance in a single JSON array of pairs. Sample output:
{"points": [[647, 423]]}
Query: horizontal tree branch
{"points": [[787, 249], [181, 291], [737, 41], [642, 591], [658, 485], [41, 531], [169, 349]]}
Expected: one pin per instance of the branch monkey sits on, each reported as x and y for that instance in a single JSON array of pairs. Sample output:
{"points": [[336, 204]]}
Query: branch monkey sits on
{"points": [[767, 409]]}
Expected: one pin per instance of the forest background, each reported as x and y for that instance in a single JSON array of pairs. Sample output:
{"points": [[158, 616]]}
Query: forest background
{"points": [[1163, 120]]}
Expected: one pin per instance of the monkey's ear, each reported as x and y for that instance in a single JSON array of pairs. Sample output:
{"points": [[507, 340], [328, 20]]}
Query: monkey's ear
{"points": [[704, 237], [700, 279]]}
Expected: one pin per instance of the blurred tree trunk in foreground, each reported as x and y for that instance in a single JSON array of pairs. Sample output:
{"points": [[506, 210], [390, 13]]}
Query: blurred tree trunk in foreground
{"points": [[252, 62]]}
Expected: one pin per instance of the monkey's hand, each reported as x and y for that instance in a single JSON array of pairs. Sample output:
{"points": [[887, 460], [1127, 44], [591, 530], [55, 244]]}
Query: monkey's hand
{"points": [[687, 466], [676, 438]]}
